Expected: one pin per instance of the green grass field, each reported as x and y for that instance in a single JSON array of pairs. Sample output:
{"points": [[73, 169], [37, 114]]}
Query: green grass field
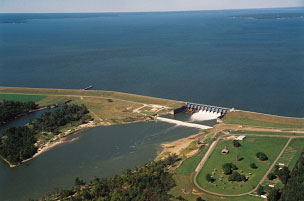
{"points": [[183, 177], [240, 132], [297, 145], [21, 97], [189, 165], [262, 120], [250, 146], [288, 158]]}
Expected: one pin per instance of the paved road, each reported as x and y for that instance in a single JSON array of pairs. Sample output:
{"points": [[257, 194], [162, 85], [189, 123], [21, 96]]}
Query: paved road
{"points": [[204, 159], [199, 167]]}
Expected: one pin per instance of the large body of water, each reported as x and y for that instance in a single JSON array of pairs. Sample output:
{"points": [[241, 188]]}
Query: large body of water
{"points": [[247, 59]]}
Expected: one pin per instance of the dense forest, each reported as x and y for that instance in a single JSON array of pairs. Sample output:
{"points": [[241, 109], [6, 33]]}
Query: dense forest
{"points": [[9, 110], [151, 182], [18, 144], [294, 189]]}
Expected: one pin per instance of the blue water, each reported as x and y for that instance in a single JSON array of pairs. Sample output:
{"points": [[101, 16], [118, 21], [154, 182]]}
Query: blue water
{"points": [[247, 59]]}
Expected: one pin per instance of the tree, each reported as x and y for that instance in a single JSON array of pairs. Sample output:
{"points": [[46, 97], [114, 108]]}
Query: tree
{"points": [[262, 156], [271, 176], [238, 157], [261, 190], [236, 143], [253, 166], [283, 174], [209, 178], [228, 168], [294, 189], [199, 199], [181, 198], [78, 182], [273, 195], [235, 176]]}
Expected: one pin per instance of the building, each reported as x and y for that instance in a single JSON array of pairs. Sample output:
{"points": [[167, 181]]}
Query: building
{"points": [[225, 150], [241, 137]]}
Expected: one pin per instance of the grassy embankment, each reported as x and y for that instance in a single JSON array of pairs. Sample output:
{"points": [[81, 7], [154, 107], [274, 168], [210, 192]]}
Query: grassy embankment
{"points": [[245, 132], [106, 107], [263, 120]]}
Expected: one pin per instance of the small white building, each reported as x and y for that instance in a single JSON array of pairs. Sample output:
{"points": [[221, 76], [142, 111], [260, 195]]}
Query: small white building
{"points": [[241, 137]]}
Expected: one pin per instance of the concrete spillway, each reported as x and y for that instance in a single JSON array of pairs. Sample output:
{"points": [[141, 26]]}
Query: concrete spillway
{"points": [[181, 123]]}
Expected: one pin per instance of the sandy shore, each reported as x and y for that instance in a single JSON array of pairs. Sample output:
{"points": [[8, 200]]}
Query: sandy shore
{"points": [[176, 147]]}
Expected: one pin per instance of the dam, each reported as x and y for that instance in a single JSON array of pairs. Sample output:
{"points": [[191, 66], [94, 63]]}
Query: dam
{"points": [[194, 108]]}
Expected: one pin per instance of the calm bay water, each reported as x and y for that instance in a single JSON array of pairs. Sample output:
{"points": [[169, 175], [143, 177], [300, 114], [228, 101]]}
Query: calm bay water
{"points": [[250, 60], [100, 151], [247, 59]]}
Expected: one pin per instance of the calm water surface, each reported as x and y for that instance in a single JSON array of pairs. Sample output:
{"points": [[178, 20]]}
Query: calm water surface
{"points": [[247, 59], [100, 151], [250, 60]]}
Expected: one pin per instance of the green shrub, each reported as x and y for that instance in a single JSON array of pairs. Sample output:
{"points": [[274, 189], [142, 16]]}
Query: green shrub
{"points": [[236, 143], [262, 156]]}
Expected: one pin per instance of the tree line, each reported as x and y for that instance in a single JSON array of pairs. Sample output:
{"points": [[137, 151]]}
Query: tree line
{"points": [[151, 182], [293, 189], [18, 144], [9, 110]]}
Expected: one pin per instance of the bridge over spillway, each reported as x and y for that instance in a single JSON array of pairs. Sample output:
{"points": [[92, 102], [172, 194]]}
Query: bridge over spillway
{"points": [[194, 107]]}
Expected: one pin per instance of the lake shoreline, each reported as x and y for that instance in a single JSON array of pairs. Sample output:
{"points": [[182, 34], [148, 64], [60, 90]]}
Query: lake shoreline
{"points": [[54, 142]]}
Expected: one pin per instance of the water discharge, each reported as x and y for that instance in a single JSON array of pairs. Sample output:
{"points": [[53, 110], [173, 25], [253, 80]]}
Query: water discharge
{"points": [[204, 115], [182, 123]]}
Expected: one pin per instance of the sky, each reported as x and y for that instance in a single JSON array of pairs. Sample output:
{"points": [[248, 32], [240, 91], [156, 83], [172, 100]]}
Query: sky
{"points": [[62, 6]]}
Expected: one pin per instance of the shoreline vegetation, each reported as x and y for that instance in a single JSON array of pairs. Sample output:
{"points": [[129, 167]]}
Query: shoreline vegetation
{"points": [[55, 142], [133, 108], [21, 144], [111, 108]]}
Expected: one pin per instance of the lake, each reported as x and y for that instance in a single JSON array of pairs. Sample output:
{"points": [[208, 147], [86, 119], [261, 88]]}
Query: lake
{"points": [[247, 59]]}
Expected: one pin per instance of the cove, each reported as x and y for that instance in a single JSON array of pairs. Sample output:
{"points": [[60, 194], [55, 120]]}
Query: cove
{"points": [[99, 151]]}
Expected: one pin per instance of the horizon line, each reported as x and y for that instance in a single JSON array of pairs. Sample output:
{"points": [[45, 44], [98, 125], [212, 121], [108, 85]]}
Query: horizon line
{"points": [[153, 11]]}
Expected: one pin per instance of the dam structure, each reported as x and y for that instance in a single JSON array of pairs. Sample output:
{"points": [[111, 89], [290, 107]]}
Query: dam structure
{"points": [[199, 113], [194, 108]]}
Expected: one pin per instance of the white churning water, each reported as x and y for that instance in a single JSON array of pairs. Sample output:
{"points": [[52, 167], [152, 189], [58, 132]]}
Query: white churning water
{"points": [[204, 115], [181, 123]]}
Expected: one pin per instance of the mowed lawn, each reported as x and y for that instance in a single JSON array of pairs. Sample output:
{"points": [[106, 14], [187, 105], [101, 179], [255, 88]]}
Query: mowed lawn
{"points": [[292, 153], [183, 177], [21, 97], [262, 120], [249, 147], [239, 132]]}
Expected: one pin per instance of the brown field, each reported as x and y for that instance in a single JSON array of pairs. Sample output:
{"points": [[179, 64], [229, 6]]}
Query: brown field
{"points": [[106, 107]]}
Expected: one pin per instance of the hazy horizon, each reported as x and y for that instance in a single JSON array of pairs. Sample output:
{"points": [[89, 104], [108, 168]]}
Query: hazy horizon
{"points": [[153, 11], [104, 6]]}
